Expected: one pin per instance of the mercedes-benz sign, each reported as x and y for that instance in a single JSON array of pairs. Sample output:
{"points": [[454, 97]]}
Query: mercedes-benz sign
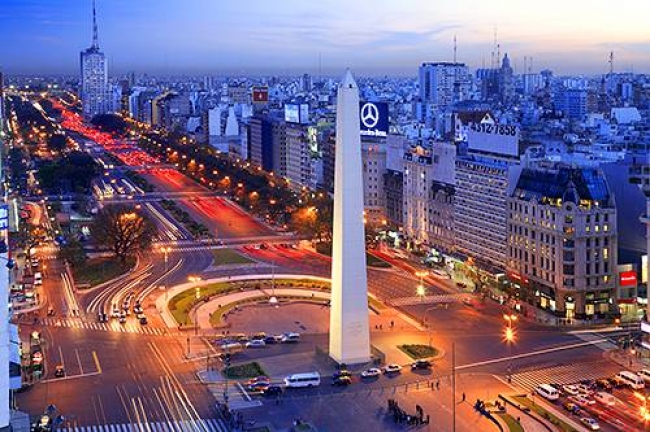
{"points": [[374, 118]]}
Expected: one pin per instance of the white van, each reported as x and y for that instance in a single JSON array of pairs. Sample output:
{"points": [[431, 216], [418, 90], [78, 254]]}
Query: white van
{"points": [[290, 337], [309, 379], [38, 279], [548, 392], [645, 374], [631, 379]]}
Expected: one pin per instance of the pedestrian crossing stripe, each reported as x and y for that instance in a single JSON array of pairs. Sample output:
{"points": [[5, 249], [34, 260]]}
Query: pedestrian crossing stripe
{"points": [[112, 327], [415, 300], [564, 374], [201, 425]]}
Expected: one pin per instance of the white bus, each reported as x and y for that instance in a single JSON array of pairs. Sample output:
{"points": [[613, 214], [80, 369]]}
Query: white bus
{"points": [[309, 379], [548, 392]]}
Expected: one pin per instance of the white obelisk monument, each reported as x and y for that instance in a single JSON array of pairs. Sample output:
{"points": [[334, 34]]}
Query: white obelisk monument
{"points": [[349, 331]]}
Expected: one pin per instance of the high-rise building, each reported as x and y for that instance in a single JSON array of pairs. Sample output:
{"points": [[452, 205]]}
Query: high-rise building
{"points": [[443, 83], [2, 99], [298, 157], [480, 208], [562, 241], [96, 96], [373, 156]]}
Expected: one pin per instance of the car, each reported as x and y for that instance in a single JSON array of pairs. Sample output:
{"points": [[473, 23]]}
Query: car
{"points": [[259, 335], [604, 384], [341, 373], [137, 309], [122, 319], [590, 423], [581, 400], [143, 320], [421, 364], [270, 340], [256, 343], [461, 285], [272, 390], [371, 373], [59, 371], [342, 380], [102, 317], [115, 313], [570, 390], [572, 407], [392, 368], [258, 386], [259, 379], [290, 337], [584, 389]]}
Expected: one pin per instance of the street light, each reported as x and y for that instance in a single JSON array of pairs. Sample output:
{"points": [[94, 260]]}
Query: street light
{"points": [[166, 250], [510, 337], [421, 290], [197, 294]]}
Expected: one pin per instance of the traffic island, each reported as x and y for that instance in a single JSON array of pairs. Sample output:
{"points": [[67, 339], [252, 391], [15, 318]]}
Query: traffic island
{"points": [[417, 352], [244, 370]]}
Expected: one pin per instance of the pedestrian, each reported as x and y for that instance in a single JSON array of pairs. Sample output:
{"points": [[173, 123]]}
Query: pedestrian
{"points": [[438, 384], [392, 324], [463, 396], [381, 327]]}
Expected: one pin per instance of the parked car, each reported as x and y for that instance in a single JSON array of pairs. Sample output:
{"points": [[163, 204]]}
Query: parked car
{"points": [[341, 373], [259, 379], [371, 373], [421, 364], [143, 320], [270, 340], [258, 386], [392, 368]]}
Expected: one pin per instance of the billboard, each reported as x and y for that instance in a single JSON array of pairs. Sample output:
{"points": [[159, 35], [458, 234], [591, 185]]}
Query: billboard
{"points": [[494, 138], [373, 118], [296, 113], [260, 95], [627, 278]]}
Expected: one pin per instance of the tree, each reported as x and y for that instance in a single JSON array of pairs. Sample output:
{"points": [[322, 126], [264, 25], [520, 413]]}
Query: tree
{"points": [[71, 172], [73, 252], [123, 230], [111, 123], [57, 142]]}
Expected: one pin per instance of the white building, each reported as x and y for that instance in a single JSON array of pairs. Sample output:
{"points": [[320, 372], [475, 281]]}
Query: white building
{"points": [[373, 156]]}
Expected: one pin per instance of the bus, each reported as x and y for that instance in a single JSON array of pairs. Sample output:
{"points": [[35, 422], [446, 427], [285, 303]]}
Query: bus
{"points": [[309, 379]]}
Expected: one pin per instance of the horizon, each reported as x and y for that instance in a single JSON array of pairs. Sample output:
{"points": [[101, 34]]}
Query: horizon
{"points": [[203, 37]]}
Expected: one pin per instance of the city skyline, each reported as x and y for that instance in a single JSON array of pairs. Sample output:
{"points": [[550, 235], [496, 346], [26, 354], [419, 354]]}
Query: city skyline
{"points": [[204, 37]]}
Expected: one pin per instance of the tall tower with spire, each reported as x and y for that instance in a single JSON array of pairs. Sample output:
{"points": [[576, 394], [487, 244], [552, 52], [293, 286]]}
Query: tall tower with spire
{"points": [[95, 94], [349, 332]]}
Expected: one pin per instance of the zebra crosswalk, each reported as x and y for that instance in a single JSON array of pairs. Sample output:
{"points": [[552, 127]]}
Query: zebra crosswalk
{"points": [[201, 425], [565, 374], [111, 326], [432, 299]]}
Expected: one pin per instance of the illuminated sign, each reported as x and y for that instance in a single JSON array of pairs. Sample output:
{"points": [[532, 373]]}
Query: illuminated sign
{"points": [[4, 217], [260, 95], [517, 277], [296, 113], [373, 118], [627, 278]]}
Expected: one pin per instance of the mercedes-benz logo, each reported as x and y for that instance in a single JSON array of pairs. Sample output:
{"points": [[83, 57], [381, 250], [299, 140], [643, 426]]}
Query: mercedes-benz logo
{"points": [[369, 115]]}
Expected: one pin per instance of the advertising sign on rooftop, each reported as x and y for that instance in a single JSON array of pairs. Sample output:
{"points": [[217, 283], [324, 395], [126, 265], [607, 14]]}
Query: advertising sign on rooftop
{"points": [[373, 119], [494, 138]]}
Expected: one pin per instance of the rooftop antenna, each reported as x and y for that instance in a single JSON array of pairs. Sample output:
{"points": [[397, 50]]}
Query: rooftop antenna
{"points": [[455, 48], [95, 38], [498, 55], [494, 49], [320, 71], [525, 65], [530, 66], [611, 63]]}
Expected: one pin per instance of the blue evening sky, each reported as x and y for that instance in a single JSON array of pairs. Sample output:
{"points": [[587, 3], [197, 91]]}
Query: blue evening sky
{"points": [[286, 36]]}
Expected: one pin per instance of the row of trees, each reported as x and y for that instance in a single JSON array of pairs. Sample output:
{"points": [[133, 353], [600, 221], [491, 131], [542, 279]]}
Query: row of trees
{"points": [[269, 197]]}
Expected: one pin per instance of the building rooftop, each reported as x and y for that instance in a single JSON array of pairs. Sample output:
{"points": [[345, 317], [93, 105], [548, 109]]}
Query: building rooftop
{"points": [[565, 184]]}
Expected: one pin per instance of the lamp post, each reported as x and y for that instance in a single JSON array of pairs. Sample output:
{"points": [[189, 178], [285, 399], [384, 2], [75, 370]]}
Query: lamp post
{"points": [[197, 294], [425, 323], [421, 290], [165, 250], [509, 336]]}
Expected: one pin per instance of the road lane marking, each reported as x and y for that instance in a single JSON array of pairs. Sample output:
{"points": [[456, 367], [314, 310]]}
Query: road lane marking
{"points": [[69, 377], [61, 357], [81, 368], [99, 367], [532, 353]]}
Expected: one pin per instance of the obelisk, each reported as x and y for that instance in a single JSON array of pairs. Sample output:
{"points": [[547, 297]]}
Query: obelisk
{"points": [[349, 332]]}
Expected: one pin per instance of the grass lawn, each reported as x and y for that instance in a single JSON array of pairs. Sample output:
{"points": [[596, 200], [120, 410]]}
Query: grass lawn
{"points": [[513, 426], [245, 370], [523, 400], [229, 256], [419, 351], [98, 270]]}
